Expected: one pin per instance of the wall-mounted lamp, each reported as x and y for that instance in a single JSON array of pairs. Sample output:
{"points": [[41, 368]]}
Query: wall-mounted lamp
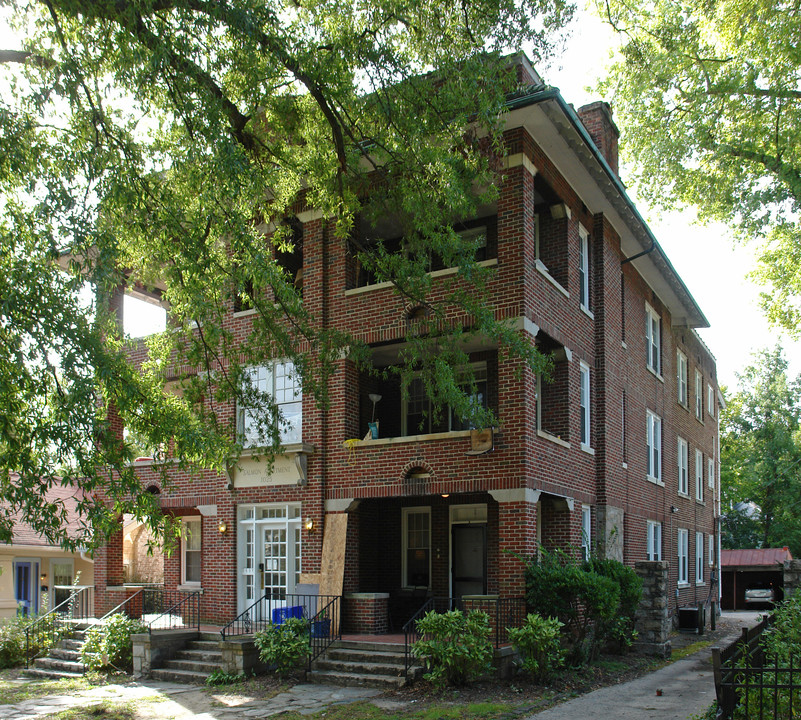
{"points": [[43, 577], [222, 527], [673, 509], [310, 526], [445, 495]]}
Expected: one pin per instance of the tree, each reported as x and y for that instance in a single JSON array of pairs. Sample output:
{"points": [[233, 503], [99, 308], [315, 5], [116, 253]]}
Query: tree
{"points": [[760, 450], [168, 144], [709, 96]]}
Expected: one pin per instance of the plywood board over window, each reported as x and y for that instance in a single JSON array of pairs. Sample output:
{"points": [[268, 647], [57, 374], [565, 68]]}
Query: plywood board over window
{"points": [[333, 560]]}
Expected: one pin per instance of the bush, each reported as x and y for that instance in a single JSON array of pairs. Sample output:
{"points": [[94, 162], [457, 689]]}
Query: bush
{"points": [[285, 646], [539, 643], [620, 633], [108, 646], [454, 647], [12, 639]]}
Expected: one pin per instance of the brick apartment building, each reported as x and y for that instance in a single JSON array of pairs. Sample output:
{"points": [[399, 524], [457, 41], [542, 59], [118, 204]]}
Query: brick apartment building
{"points": [[618, 455]]}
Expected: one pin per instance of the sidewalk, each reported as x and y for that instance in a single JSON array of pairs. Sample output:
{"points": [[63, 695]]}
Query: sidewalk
{"points": [[687, 687]]}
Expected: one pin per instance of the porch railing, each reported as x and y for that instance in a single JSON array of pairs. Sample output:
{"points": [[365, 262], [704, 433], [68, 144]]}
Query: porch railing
{"points": [[46, 630], [273, 609], [170, 610], [504, 613], [131, 606], [325, 628]]}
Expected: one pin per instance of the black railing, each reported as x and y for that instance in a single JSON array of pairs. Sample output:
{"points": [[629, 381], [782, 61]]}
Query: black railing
{"points": [[504, 613], [170, 610], [131, 606], [325, 627], [274, 609], [46, 630], [751, 684]]}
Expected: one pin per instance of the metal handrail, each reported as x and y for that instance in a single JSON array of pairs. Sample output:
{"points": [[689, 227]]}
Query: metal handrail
{"points": [[261, 614], [244, 619], [47, 628], [122, 605], [325, 628], [192, 600], [410, 631]]}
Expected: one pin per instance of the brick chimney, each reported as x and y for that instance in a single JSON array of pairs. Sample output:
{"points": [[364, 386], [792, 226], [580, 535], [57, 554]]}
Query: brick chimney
{"points": [[597, 118]]}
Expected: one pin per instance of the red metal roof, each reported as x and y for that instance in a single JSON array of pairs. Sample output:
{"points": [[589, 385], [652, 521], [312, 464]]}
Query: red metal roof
{"points": [[754, 557]]}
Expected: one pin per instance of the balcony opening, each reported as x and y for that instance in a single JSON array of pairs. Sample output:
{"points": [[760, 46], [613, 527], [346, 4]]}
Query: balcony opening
{"points": [[551, 217], [553, 397]]}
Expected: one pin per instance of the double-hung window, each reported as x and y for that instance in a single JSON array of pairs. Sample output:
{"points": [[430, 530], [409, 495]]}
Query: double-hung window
{"points": [[584, 402], [270, 387], [584, 269], [699, 558], [653, 340], [711, 552], [710, 400], [654, 540], [699, 395], [710, 473], [699, 476], [191, 551], [684, 467], [682, 552], [586, 531], [654, 446], [681, 377], [416, 547]]}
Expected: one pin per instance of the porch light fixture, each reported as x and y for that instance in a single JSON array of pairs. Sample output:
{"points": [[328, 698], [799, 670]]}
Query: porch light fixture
{"points": [[445, 495], [43, 577], [374, 397], [309, 525], [223, 527]]}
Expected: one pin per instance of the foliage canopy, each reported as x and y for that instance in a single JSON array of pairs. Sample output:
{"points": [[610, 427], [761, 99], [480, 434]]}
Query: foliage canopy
{"points": [[168, 144]]}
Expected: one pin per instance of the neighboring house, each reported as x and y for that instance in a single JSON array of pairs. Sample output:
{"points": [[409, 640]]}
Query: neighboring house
{"points": [[752, 579], [618, 455], [35, 575], [142, 554]]}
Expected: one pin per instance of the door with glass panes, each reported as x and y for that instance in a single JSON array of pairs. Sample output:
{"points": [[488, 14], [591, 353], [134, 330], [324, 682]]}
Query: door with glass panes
{"points": [[269, 553]]}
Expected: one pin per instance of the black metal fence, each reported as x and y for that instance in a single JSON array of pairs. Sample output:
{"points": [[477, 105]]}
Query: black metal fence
{"points": [[272, 610], [45, 631], [752, 685], [170, 609]]}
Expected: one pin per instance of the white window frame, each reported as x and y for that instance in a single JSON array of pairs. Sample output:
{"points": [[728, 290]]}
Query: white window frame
{"points": [[699, 395], [699, 475], [653, 548], [683, 452], [586, 531], [584, 269], [699, 558], [681, 379], [653, 440], [682, 555], [711, 551], [192, 527], [405, 513], [710, 473], [584, 404], [653, 340], [710, 400], [264, 379]]}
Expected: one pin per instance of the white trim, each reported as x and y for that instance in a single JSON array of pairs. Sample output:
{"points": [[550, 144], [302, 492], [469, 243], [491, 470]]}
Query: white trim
{"points": [[653, 541], [653, 443], [683, 462], [681, 379], [585, 405], [186, 522], [516, 495], [433, 273], [653, 340], [699, 558], [544, 272], [584, 268], [586, 531], [682, 553], [699, 475], [699, 395]]}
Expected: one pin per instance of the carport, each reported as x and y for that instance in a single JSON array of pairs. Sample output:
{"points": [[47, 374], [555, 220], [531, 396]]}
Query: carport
{"points": [[748, 569]]}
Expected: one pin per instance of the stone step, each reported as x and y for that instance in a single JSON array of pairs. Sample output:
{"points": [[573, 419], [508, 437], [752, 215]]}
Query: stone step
{"points": [[44, 674], [359, 668], [207, 656], [57, 665], [58, 653], [71, 644], [207, 645], [369, 646], [347, 679], [181, 676], [192, 666], [368, 656]]}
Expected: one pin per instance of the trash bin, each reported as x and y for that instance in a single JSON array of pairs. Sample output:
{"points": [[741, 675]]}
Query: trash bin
{"points": [[321, 628]]}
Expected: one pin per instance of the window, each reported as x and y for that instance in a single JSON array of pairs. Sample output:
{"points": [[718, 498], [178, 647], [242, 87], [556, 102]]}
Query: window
{"points": [[681, 377], [278, 383], [710, 401], [654, 446], [711, 554], [699, 397], [710, 473], [653, 340], [586, 531], [623, 425], [416, 547], [584, 369], [699, 558], [418, 417], [584, 269], [190, 551], [699, 476], [682, 551], [684, 467], [654, 541]]}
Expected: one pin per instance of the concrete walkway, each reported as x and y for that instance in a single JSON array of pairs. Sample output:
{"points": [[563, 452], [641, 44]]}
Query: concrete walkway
{"points": [[677, 691]]}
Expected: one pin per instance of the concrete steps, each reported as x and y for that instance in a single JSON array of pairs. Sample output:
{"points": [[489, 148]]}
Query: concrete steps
{"points": [[63, 660], [362, 664], [199, 659]]}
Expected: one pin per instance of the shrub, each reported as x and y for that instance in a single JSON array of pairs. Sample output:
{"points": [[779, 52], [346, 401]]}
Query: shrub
{"points": [[12, 639], [539, 643], [620, 633], [108, 645], [454, 647], [285, 646]]}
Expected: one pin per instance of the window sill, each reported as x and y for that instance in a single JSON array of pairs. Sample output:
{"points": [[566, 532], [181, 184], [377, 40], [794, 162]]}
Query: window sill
{"points": [[190, 587], [700, 502], [245, 313], [552, 438], [683, 405], [542, 270], [683, 584], [451, 435], [587, 312], [288, 449], [700, 420], [684, 495], [655, 374], [587, 449], [655, 481], [492, 262], [700, 584]]}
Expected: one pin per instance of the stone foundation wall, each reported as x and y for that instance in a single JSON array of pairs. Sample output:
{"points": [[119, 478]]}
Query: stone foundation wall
{"points": [[653, 623]]}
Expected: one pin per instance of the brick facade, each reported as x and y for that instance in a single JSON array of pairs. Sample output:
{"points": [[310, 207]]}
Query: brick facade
{"points": [[530, 489]]}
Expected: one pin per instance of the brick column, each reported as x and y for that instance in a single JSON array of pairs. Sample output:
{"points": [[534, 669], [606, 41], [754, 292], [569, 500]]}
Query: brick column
{"points": [[517, 538]]}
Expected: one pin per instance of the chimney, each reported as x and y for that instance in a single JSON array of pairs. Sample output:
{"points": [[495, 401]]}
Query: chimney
{"points": [[597, 118]]}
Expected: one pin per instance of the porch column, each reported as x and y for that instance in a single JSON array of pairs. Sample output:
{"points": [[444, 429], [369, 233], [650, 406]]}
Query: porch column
{"points": [[108, 572], [517, 536]]}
